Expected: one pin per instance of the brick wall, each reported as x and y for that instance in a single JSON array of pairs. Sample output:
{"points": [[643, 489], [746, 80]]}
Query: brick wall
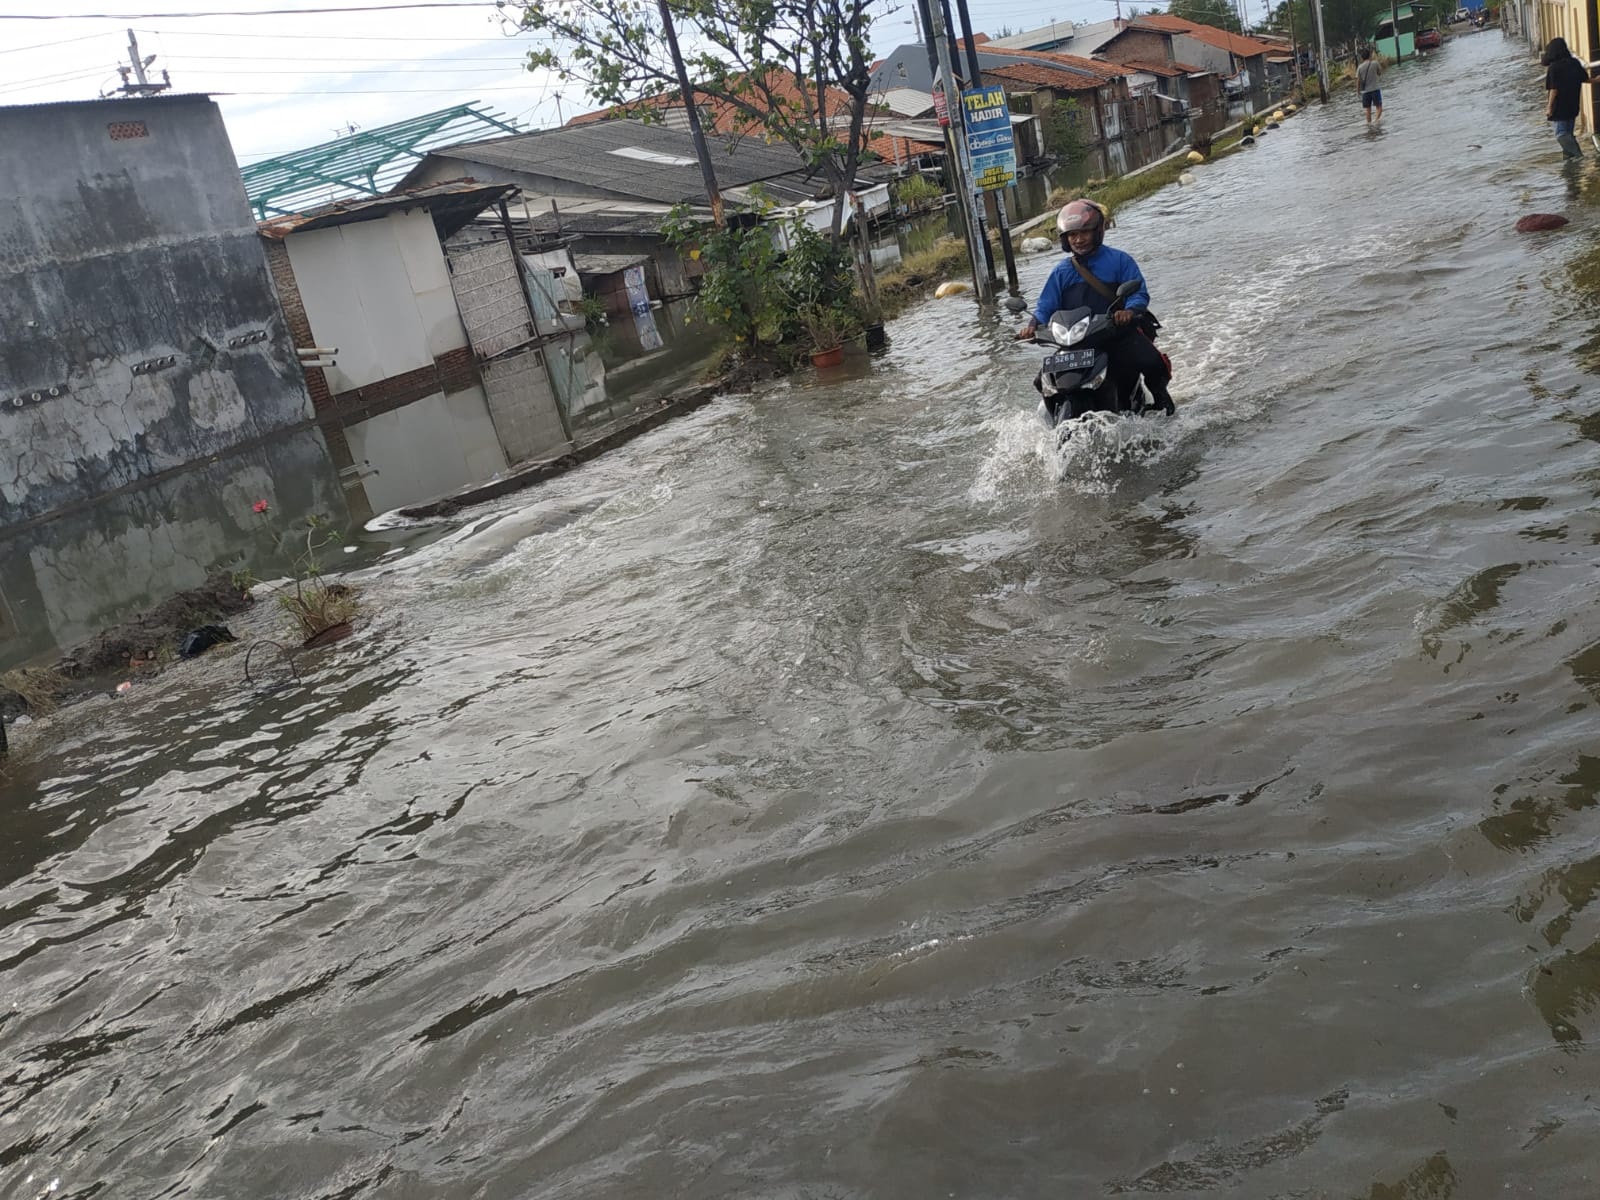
{"points": [[1139, 43], [452, 371], [294, 311]]}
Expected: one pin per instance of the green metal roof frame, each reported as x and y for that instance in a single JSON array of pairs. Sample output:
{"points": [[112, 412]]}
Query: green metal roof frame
{"points": [[368, 163]]}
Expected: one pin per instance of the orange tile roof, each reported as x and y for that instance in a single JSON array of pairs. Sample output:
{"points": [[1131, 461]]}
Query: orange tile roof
{"points": [[1168, 70], [1233, 43], [724, 117], [1093, 66], [885, 146], [1034, 76]]}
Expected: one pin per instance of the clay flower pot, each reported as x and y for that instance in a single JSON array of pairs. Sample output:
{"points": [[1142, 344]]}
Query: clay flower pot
{"points": [[332, 633], [827, 358]]}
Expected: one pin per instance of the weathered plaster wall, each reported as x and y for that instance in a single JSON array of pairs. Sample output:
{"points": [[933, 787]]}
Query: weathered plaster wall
{"points": [[132, 282], [64, 579]]}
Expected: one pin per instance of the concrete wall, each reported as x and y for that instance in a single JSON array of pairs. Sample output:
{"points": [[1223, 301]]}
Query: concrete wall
{"points": [[134, 300], [65, 579], [379, 291]]}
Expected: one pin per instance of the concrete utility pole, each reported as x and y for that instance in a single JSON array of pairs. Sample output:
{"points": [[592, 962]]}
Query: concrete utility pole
{"points": [[706, 173], [951, 158], [144, 87], [955, 154], [1322, 54], [976, 80], [1394, 28]]}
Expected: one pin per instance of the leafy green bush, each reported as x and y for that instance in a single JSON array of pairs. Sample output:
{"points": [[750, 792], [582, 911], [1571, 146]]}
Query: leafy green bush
{"points": [[916, 190], [749, 289], [1064, 130]]}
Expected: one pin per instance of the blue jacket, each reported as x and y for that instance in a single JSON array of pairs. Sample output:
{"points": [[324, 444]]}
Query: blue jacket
{"points": [[1065, 289]]}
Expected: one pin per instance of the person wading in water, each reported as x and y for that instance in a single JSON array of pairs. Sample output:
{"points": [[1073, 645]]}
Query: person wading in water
{"points": [[1367, 83]]}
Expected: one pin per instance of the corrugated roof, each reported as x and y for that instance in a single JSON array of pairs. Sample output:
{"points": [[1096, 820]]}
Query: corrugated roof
{"points": [[631, 158], [452, 204], [606, 264], [1233, 43], [907, 102], [1080, 39]]}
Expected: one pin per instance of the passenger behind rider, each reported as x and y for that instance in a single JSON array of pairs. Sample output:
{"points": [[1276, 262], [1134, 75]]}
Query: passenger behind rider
{"points": [[1082, 224]]}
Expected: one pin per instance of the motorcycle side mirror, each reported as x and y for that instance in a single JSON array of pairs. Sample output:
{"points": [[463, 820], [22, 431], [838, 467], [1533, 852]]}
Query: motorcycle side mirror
{"points": [[1124, 290]]}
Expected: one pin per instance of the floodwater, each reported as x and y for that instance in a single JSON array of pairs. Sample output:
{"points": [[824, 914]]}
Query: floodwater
{"points": [[837, 794]]}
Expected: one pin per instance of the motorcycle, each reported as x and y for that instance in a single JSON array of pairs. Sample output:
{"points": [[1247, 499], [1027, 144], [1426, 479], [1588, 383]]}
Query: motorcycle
{"points": [[1077, 378]]}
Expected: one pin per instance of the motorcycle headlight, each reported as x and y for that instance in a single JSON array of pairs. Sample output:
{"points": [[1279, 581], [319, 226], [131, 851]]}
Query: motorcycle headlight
{"points": [[1067, 335]]}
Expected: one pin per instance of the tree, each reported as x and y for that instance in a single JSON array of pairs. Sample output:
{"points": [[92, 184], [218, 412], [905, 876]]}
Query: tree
{"points": [[1218, 13], [795, 71]]}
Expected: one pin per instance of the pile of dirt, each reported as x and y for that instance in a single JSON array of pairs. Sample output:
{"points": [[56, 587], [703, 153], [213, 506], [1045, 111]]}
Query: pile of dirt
{"points": [[144, 639], [160, 628]]}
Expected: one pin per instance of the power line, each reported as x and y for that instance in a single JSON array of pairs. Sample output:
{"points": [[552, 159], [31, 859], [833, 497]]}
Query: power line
{"points": [[255, 12], [378, 91], [88, 37], [340, 58], [371, 71], [337, 37]]}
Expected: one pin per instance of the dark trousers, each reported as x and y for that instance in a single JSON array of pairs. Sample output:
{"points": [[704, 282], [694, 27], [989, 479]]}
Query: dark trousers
{"points": [[1136, 355]]}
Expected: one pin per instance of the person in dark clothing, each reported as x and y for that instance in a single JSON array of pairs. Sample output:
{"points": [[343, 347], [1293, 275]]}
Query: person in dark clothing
{"points": [[1082, 224], [1564, 78]]}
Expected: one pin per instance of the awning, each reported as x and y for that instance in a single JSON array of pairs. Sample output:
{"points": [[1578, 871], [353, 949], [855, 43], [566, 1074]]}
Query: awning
{"points": [[606, 264]]}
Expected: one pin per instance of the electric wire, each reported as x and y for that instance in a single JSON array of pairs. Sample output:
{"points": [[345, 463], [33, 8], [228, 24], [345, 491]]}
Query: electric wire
{"points": [[254, 12]]}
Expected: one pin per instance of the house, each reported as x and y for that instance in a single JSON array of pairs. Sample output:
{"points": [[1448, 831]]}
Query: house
{"points": [[1239, 61], [624, 160], [149, 390], [440, 375], [638, 172], [1099, 88], [1411, 18]]}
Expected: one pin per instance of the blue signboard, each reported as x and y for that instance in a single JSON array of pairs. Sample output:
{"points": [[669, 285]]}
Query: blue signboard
{"points": [[989, 143]]}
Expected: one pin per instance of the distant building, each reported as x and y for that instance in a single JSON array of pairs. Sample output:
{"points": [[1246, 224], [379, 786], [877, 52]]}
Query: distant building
{"points": [[439, 375]]}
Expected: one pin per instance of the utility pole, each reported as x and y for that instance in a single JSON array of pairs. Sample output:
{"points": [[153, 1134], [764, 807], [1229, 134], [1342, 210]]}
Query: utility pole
{"points": [[706, 173], [955, 155], [137, 71], [976, 80], [1322, 54], [1394, 28], [925, 9], [1294, 44], [979, 214]]}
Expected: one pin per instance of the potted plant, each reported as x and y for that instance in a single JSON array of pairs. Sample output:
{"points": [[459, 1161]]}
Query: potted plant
{"points": [[828, 327], [870, 314]]}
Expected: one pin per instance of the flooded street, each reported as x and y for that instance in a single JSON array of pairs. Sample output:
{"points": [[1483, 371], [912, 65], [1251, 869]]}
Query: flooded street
{"points": [[835, 794]]}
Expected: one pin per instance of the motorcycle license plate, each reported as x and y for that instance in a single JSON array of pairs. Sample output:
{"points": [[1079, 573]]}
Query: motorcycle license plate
{"points": [[1070, 360]]}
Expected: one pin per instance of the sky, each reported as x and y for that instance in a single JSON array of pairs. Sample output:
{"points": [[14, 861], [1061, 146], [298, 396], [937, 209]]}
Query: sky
{"points": [[286, 82]]}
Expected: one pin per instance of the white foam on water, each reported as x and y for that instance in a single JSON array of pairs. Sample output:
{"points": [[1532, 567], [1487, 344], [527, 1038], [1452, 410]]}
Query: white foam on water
{"points": [[1219, 354]]}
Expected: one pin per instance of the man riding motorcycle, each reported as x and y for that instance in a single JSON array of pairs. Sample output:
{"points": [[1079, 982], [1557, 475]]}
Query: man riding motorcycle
{"points": [[1088, 278]]}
